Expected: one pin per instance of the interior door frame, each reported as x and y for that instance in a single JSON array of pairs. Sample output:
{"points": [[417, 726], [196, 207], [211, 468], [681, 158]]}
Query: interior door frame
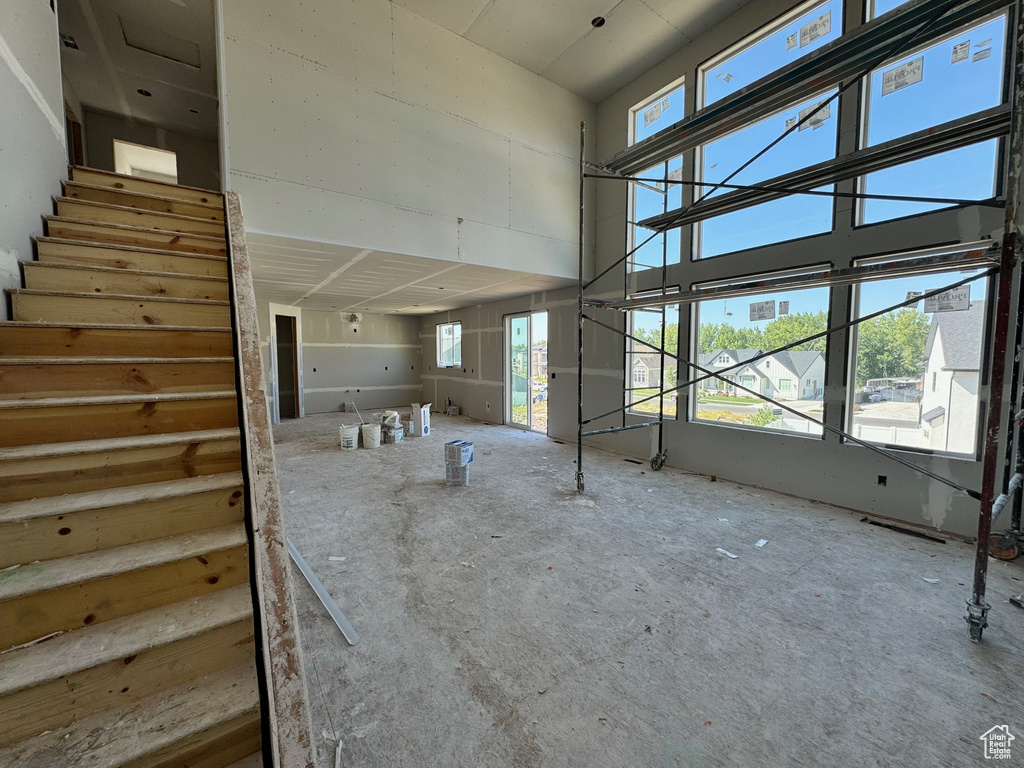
{"points": [[280, 310]]}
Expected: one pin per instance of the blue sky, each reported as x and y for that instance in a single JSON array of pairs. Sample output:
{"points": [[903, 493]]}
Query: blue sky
{"points": [[945, 92]]}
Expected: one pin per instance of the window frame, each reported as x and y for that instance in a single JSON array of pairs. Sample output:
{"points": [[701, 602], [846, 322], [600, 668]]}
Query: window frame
{"points": [[857, 211], [438, 335], [753, 38], [850, 373], [628, 366], [736, 373]]}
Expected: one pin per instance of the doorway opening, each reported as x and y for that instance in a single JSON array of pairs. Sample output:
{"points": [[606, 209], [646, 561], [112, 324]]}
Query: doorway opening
{"points": [[526, 371], [287, 368]]}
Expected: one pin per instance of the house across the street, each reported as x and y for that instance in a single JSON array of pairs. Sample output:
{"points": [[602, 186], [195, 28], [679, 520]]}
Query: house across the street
{"points": [[781, 376]]}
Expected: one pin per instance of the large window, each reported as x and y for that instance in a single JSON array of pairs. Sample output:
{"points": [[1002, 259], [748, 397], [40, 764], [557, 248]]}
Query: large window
{"points": [[652, 198], [784, 219], [955, 77], [730, 334], [795, 34], [449, 345], [649, 373], [915, 371]]}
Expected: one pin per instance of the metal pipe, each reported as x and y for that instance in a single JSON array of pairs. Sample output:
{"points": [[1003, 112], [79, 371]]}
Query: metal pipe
{"points": [[827, 277], [783, 191], [325, 597], [822, 334], [977, 611], [626, 428], [579, 321], [835, 430]]}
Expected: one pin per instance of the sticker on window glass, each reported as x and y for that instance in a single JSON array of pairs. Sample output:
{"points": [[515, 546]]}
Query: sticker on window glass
{"points": [[818, 113], [903, 76], [982, 55], [820, 27], [954, 300], [652, 114], [984, 43], [783, 308], [790, 122], [762, 310], [961, 51], [664, 104], [676, 175], [913, 295], [791, 42]]}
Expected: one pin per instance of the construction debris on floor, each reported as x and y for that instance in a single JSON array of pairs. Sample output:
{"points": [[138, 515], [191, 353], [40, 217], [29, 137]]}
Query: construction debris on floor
{"points": [[528, 625]]}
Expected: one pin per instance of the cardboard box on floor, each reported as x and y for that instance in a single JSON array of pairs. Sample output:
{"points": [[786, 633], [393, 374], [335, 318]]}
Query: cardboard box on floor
{"points": [[420, 420]]}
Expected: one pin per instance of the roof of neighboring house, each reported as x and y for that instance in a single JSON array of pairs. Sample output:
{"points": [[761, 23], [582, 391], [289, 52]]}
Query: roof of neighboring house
{"points": [[648, 359], [933, 414], [736, 355], [960, 336], [797, 362]]}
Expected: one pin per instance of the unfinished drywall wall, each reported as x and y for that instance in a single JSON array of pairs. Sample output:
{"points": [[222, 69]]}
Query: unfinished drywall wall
{"points": [[33, 157], [373, 362], [198, 157], [358, 122]]}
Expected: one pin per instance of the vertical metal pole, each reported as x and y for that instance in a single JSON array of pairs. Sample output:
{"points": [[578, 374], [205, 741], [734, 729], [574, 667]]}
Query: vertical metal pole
{"points": [[579, 327], [977, 608]]}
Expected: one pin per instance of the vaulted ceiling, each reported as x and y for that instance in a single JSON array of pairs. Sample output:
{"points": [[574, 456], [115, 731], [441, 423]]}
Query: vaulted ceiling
{"points": [[557, 40]]}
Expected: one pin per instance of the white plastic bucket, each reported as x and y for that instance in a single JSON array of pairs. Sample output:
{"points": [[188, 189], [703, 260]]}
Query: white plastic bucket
{"points": [[349, 438], [371, 435]]}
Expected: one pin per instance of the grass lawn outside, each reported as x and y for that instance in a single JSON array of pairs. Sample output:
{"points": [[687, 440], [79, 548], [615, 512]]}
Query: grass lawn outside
{"points": [[730, 400]]}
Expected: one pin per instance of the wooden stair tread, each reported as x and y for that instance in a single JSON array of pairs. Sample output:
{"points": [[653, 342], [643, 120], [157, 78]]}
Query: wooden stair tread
{"points": [[80, 649], [20, 511], [129, 227], [162, 397], [115, 326], [133, 733], [53, 574], [167, 184], [133, 248], [126, 296], [126, 209], [120, 272], [111, 444], [134, 193], [51, 360]]}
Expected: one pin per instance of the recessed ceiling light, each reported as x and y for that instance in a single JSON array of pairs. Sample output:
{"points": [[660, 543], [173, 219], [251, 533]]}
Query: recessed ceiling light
{"points": [[597, 21], [144, 92], [69, 41]]}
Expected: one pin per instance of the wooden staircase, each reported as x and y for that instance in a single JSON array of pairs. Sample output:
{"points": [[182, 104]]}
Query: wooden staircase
{"points": [[126, 616]]}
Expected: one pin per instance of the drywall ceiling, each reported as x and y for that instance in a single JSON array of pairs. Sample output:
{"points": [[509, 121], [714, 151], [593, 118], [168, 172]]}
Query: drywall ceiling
{"points": [[340, 278], [556, 40], [164, 47]]}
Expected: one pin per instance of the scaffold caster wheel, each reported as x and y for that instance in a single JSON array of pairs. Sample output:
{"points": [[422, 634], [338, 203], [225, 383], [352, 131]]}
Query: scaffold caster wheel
{"points": [[977, 619], [658, 461], [580, 485]]}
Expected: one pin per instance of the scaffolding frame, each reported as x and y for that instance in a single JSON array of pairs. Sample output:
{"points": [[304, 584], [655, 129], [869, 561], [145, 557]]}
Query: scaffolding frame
{"points": [[846, 62]]}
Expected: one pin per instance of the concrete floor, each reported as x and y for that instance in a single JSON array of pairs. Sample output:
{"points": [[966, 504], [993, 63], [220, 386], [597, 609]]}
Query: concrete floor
{"points": [[513, 623]]}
